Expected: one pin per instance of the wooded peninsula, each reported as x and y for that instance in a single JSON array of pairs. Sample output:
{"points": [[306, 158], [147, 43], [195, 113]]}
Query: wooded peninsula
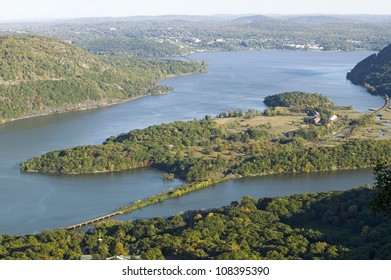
{"points": [[279, 140]]}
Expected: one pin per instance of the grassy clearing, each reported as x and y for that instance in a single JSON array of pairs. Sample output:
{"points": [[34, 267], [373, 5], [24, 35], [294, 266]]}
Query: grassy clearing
{"points": [[276, 124]]}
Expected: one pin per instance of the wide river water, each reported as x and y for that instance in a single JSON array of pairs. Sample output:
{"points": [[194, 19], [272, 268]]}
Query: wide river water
{"points": [[33, 202]]}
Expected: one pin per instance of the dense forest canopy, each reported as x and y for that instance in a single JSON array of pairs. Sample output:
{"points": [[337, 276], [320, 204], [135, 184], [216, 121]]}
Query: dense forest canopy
{"points": [[40, 75], [133, 47], [382, 200], [298, 101]]}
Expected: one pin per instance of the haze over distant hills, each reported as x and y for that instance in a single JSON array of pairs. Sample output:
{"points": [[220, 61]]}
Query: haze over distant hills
{"points": [[302, 18], [173, 35], [322, 19]]}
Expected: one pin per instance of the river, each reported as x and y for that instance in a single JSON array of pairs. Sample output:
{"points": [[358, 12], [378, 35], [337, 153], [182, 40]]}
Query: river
{"points": [[263, 186], [33, 202]]}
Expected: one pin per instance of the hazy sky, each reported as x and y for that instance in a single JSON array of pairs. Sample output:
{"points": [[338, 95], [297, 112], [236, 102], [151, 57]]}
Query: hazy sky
{"points": [[22, 9]]}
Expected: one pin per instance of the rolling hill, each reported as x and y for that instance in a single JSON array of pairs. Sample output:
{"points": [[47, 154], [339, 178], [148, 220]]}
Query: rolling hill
{"points": [[40, 75]]}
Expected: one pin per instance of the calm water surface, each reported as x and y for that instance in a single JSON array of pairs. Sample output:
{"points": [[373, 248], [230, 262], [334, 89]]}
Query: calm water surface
{"points": [[257, 187], [34, 202]]}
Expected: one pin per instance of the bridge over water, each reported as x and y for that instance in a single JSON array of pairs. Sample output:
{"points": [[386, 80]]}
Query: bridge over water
{"points": [[95, 220]]}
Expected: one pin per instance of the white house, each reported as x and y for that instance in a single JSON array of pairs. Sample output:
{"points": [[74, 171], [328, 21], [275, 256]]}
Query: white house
{"points": [[333, 118]]}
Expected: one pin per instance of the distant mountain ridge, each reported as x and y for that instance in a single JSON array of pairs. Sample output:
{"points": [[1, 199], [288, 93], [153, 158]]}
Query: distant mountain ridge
{"points": [[374, 72], [176, 35], [327, 19], [40, 75]]}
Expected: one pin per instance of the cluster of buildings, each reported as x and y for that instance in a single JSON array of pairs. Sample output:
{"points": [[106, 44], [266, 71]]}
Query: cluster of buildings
{"points": [[318, 120]]}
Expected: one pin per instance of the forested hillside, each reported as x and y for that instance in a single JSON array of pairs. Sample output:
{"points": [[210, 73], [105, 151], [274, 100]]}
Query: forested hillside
{"points": [[374, 73], [40, 75]]}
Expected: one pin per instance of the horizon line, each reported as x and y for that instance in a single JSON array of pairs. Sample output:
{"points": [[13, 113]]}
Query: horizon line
{"points": [[48, 19]]}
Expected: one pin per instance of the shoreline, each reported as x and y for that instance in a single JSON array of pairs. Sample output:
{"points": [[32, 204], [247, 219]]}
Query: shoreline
{"points": [[99, 104], [76, 109]]}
